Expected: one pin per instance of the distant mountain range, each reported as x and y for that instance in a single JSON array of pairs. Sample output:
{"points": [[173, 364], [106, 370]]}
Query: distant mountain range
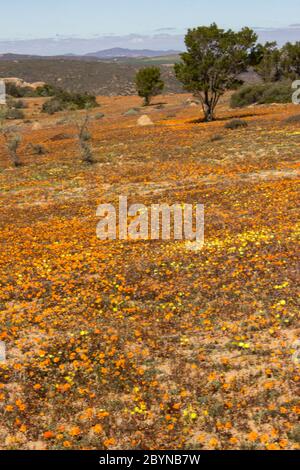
{"points": [[159, 42], [107, 54], [117, 52]]}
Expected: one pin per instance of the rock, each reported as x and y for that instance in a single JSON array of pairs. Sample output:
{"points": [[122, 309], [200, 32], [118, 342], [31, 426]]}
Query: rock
{"points": [[131, 112], [99, 116], [192, 102], [36, 126], [144, 121], [20, 83]]}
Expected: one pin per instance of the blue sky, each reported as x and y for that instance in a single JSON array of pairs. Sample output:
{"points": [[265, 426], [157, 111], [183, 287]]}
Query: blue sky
{"points": [[86, 18]]}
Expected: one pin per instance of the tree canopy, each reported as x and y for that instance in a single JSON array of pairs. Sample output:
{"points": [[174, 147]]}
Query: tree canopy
{"points": [[149, 83], [213, 61]]}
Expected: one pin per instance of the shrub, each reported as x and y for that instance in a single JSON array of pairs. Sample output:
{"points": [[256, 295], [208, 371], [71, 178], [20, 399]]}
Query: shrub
{"points": [[236, 124], [7, 112], [13, 113], [277, 93], [216, 138], [37, 149], [13, 90], [17, 104], [61, 136], [84, 138], [64, 100], [46, 90], [293, 119], [262, 94], [19, 92], [3, 112], [12, 142], [52, 106]]}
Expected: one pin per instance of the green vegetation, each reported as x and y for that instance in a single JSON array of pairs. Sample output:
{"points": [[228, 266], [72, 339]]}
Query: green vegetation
{"points": [[17, 104], [12, 110], [149, 83], [267, 93], [67, 101], [290, 60], [46, 90], [28, 92], [266, 61], [274, 64], [236, 124], [213, 62]]}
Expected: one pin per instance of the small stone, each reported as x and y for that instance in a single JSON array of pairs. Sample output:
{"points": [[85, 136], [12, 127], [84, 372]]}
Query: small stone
{"points": [[36, 126], [131, 112], [144, 121]]}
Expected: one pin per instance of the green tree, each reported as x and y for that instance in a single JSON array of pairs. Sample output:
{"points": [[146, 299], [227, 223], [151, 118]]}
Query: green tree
{"points": [[149, 83], [213, 62], [266, 61], [290, 60]]}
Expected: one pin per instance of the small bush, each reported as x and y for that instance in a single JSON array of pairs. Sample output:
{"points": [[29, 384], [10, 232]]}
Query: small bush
{"points": [[12, 109], [17, 104], [13, 113], [61, 136], [37, 149], [3, 112], [19, 92], [66, 101], [262, 94], [52, 106], [12, 142], [216, 138], [46, 90], [84, 138], [277, 93], [236, 124], [293, 119]]}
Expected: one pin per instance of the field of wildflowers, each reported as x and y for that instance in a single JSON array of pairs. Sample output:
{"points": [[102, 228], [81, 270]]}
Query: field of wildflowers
{"points": [[146, 345]]}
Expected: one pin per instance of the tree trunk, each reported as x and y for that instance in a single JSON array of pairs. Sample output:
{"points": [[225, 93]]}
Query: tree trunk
{"points": [[209, 114]]}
